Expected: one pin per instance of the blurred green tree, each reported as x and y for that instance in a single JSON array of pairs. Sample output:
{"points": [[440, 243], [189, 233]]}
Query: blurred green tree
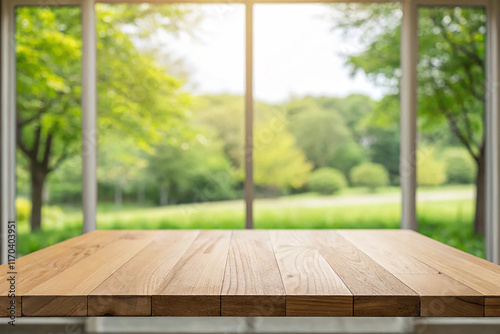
{"points": [[451, 72], [328, 129], [225, 114], [139, 100], [383, 144], [191, 169], [319, 133], [278, 161], [430, 170], [122, 164], [460, 167]]}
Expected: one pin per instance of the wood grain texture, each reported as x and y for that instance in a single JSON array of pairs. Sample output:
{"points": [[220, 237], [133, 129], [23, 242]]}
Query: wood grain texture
{"points": [[369, 273], [492, 307], [78, 281], [37, 267], [186, 305], [6, 306], [312, 287], [376, 291], [119, 305], [54, 306], [252, 282], [115, 296], [478, 274], [440, 295], [193, 286], [385, 254]]}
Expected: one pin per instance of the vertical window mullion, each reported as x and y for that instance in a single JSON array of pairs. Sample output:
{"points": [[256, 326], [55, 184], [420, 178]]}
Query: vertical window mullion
{"points": [[408, 110], [492, 127], [8, 121], [89, 116], [249, 106]]}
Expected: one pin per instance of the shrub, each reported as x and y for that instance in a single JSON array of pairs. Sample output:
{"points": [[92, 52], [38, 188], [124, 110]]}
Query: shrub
{"points": [[369, 175], [51, 215], [348, 156], [460, 167], [23, 209], [430, 171], [326, 181]]}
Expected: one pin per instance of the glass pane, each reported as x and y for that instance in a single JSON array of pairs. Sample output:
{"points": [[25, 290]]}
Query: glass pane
{"points": [[450, 156], [48, 70], [170, 116], [327, 116]]}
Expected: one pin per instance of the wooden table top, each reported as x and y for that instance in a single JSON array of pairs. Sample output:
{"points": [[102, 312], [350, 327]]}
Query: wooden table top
{"points": [[253, 273]]}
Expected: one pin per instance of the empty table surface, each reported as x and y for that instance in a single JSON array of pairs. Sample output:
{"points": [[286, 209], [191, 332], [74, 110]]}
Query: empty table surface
{"points": [[253, 273]]}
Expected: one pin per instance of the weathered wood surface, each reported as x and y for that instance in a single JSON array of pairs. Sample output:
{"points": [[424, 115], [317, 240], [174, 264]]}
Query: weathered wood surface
{"points": [[253, 273]]}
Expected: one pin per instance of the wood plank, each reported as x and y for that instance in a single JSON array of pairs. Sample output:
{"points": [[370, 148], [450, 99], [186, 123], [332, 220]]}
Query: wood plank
{"points": [[37, 267], [492, 307], [119, 305], [385, 253], [448, 250], [6, 306], [440, 295], [478, 274], [312, 287], [123, 294], [193, 286], [54, 306], [10, 300], [90, 241], [72, 285], [80, 239], [252, 281], [376, 291]]}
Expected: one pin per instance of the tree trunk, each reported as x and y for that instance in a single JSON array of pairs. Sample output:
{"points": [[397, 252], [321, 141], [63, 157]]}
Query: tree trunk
{"points": [[480, 216], [37, 182]]}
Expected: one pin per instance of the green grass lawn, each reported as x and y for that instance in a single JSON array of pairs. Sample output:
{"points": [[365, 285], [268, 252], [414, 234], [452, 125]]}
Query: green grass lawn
{"points": [[447, 221], [387, 190]]}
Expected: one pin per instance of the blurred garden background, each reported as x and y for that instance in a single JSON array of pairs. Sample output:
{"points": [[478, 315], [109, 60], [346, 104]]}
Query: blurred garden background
{"points": [[326, 138]]}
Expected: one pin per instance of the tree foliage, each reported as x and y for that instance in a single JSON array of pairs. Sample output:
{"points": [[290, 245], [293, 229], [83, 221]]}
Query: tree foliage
{"points": [[451, 75], [224, 114], [319, 132], [460, 167], [430, 170], [186, 148], [450, 69], [48, 52], [191, 170], [278, 161], [139, 101]]}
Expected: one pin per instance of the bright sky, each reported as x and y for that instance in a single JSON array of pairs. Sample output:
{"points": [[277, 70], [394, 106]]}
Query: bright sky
{"points": [[295, 51]]}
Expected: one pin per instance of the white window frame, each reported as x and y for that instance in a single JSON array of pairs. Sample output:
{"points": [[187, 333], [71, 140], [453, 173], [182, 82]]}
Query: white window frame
{"points": [[408, 114]]}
